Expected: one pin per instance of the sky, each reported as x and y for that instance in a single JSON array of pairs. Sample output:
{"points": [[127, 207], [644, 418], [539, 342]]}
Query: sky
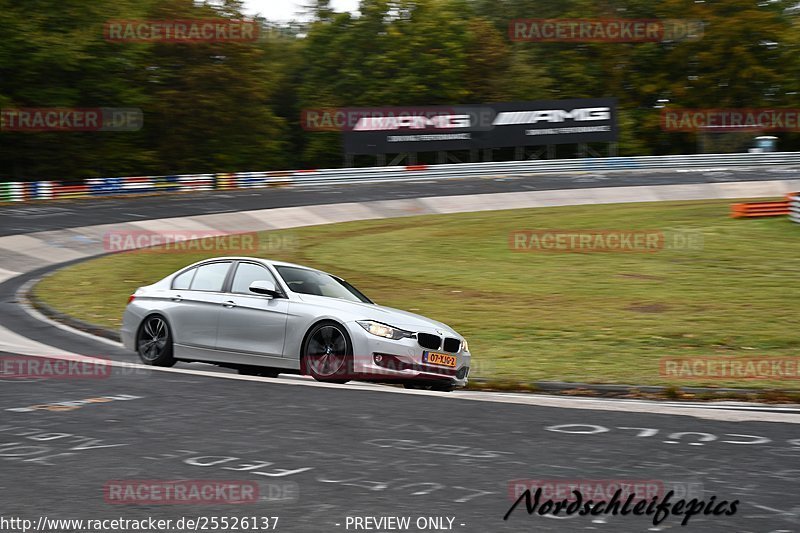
{"points": [[288, 9]]}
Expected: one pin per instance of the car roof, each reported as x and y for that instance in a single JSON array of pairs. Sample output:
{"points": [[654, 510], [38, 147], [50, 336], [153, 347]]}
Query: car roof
{"points": [[261, 260]]}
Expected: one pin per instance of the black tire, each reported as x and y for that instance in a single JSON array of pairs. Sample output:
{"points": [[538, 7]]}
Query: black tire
{"points": [[154, 342], [258, 371], [328, 353]]}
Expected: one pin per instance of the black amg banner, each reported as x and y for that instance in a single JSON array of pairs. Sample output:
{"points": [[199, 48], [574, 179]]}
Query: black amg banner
{"points": [[428, 129]]}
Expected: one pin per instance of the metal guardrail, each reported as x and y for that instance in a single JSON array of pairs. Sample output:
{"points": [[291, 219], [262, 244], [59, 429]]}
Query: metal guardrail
{"points": [[460, 170], [46, 190]]}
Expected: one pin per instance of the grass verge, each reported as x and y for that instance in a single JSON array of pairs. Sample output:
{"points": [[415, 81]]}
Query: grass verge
{"points": [[581, 317]]}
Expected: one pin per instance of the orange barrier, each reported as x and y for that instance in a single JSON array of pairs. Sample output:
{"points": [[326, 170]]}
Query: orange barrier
{"points": [[761, 209]]}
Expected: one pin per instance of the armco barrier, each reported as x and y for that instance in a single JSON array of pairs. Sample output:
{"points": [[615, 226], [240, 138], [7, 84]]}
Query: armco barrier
{"points": [[46, 190], [760, 209]]}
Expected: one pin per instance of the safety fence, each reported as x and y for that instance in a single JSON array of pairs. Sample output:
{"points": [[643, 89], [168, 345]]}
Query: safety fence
{"points": [[20, 191], [49, 190]]}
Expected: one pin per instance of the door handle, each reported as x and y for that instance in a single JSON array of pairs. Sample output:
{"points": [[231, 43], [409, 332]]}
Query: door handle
{"points": [[229, 304], [177, 298]]}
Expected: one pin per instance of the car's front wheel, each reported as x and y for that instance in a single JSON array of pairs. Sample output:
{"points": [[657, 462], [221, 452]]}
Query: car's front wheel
{"points": [[154, 342], [328, 353]]}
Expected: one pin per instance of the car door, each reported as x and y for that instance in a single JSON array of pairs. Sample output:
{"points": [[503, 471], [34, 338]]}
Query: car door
{"points": [[194, 310], [252, 324]]}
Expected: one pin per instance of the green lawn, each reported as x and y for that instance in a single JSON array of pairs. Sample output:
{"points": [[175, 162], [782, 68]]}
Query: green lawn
{"points": [[592, 317]]}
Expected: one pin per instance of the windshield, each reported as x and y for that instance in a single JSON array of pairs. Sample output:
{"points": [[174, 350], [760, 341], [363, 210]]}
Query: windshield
{"points": [[306, 281]]}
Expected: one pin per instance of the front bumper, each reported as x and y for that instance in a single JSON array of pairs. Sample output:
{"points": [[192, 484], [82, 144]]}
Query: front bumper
{"points": [[378, 359]]}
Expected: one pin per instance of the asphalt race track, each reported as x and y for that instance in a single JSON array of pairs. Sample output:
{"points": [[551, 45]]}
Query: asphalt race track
{"points": [[321, 454], [60, 215]]}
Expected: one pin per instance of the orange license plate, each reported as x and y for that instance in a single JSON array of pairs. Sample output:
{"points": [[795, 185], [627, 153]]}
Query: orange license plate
{"points": [[441, 359]]}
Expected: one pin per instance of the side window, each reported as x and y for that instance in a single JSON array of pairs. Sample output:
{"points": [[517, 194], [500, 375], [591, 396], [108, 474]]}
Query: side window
{"points": [[247, 273], [210, 277], [184, 281]]}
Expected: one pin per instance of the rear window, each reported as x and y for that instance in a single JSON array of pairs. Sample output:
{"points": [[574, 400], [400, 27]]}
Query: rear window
{"points": [[184, 281], [210, 277]]}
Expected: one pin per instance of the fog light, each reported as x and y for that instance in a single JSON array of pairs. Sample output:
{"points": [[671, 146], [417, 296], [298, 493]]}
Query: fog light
{"points": [[378, 358]]}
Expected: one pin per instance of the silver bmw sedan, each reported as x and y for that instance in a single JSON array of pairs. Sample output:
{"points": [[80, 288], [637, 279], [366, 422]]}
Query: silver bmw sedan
{"points": [[265, 317]]}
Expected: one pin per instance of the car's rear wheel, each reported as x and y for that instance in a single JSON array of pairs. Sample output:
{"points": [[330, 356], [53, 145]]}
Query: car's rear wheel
{"points": [[328, 353], [154, 342]]}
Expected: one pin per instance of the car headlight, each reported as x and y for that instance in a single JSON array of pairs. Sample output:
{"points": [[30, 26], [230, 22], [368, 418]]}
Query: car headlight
{"points": [[382, 330], [464, 346]]}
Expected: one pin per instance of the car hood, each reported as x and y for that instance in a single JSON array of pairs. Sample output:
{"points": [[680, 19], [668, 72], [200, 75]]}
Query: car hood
{"points": [[380, 313]]}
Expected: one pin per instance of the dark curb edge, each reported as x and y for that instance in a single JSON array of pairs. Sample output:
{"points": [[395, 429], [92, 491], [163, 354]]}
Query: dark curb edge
{"points": [[26, 293]]}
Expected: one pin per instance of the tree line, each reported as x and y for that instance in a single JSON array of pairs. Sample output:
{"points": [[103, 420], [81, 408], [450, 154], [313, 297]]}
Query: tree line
{"points": [[237, 106]]}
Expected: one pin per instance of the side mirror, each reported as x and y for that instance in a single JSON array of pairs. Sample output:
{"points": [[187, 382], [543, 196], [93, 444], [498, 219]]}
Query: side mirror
{"points": [[265, 288]]}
